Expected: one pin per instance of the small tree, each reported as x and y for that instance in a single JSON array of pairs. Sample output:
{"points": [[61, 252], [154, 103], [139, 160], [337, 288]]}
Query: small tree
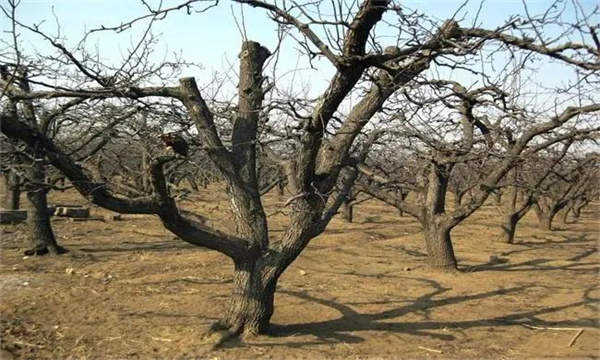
{"points": [[526, 178], [563, 186]]}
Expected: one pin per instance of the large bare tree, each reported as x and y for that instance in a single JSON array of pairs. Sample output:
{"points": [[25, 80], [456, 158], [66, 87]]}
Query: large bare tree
{"points": [[318, 145]]}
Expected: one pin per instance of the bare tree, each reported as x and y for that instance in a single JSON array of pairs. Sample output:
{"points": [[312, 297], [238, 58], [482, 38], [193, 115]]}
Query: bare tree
{"points": [[526, 179], [316, 147], [441, 155], [563, 186]]}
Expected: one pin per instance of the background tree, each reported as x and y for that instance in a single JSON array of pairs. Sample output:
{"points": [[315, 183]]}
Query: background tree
{"points": [[526, 179], [562, 186], [313, 147], [444, 147]]}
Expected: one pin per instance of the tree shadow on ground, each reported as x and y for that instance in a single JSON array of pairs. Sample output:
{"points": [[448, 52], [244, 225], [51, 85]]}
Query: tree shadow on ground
{"points": [[344, 329], [541, 264], [130, 246], [583, 238], [589, 247]]}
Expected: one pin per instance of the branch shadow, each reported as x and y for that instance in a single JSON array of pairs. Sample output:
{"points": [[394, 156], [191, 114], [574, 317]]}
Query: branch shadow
{"points": [[538, 265], [583, 238], [127, 246], [589, 247], [344, 328]]}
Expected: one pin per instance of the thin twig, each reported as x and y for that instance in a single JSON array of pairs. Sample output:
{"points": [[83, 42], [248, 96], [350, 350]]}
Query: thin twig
{"points": [[432, 350], [549, 328], [575, 338], [579, 331]]}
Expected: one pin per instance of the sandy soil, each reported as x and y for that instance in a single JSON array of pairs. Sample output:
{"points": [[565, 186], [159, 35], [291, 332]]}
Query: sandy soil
{"points": [[129, 289]]}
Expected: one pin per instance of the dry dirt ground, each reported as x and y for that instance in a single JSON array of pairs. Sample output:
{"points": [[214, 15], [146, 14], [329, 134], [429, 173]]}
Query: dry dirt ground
{"points": [[129, 289]]}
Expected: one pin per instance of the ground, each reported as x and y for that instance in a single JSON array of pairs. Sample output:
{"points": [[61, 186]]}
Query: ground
{"points": [[129, 289]]}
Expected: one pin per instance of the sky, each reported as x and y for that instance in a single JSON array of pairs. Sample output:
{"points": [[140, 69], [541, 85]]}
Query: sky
{"points": [[212, 39]]}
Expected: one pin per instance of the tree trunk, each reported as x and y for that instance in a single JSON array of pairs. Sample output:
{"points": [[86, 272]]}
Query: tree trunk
{"points": [[251, 304], [347, 211], [440, 252], [509, 227], [565, 214], [403, 196], [41, 235], [62, 183], [145, 171], [545, 221], [12, 192], [280, 188], [578, 206], [511, 217], [498, 197], [192, 181], [437, 230], [546, 214], [458, 199]]}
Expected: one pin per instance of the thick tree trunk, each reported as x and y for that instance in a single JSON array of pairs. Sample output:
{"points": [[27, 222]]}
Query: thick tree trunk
{"points": [[435, 221], [251, 304], [347, 211], [440, 252], [41, 235], [12, 192]]}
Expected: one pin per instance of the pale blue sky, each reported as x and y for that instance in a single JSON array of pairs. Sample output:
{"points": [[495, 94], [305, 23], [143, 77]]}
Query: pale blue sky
{"points": [[212, 39]]}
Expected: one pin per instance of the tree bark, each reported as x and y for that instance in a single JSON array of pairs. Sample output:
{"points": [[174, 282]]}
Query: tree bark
{"points": [[12, 194], [145, 172], [435, 220], [41, 235], [280, 188], [511, 217], [439, 247], [546, 214], [347, 211], [509, 227], [251, 303], [545, 221], [458, 199], [578, 206], [498, 197], [565, 213]]}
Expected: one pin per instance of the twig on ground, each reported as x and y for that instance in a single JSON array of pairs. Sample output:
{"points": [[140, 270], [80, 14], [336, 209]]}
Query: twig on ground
{"points": [[575, 338], [432, 350], [579, 331]]}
